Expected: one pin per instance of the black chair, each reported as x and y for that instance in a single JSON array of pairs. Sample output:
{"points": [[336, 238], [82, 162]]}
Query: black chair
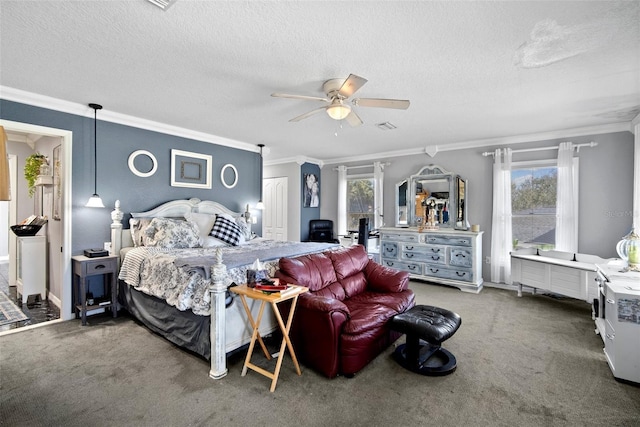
{"points": [[363, 232], [321, 230]]}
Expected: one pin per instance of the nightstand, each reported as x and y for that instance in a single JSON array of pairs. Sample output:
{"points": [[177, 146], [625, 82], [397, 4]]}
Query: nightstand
{"points": [[83, 268]]}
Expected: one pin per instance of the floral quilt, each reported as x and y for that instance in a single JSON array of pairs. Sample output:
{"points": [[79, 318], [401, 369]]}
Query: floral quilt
{"points": [[154, 270]]}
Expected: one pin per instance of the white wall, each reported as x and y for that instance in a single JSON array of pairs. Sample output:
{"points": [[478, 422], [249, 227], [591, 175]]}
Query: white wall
{"points": [[606, 187]]}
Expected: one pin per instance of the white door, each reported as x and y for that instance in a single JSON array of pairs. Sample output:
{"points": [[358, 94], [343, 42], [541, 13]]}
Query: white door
{"points": [[274, 216]]}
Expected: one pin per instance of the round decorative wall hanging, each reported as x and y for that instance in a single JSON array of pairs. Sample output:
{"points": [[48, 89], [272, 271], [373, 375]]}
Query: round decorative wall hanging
{"points": [[235, 175], [135, 170]]}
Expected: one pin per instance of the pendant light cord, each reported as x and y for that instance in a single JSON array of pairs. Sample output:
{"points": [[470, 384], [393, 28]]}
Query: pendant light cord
{"points": [[95, 107]]}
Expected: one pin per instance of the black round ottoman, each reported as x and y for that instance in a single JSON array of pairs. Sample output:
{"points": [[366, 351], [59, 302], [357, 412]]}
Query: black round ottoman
{"points": [[433, 325]]}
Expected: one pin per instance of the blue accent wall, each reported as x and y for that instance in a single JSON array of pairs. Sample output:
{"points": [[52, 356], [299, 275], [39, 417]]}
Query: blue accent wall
{"points": [[307, 214], [115, 142]]}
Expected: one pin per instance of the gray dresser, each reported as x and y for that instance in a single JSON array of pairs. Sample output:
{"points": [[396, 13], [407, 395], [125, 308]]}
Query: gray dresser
{"points": [[449, 257]]}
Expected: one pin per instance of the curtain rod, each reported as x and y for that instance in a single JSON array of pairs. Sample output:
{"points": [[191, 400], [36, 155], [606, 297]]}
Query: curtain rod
{"points": [[364, 166], [524, 150]]}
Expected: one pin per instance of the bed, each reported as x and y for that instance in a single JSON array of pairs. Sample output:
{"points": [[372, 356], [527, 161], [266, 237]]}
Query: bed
{"points": [[176, 264]]}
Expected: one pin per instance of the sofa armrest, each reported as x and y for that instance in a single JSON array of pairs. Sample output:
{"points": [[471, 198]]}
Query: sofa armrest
{"points": [[316, 331], [384, 279]]}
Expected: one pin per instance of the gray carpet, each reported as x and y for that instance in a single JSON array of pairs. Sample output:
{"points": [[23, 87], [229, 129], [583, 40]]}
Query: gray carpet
{"points": [[524, 361]]}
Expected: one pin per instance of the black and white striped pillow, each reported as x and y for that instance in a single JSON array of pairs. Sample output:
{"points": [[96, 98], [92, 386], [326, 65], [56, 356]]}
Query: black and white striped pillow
{"points": [[226, 230]]}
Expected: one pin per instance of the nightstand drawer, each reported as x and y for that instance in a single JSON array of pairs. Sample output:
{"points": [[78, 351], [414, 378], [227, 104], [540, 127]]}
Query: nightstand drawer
{"points": [[100, 266]]}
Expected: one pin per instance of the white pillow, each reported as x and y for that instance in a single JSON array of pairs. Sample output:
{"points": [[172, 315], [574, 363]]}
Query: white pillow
{"points": [[212, 242], [204, 222]]}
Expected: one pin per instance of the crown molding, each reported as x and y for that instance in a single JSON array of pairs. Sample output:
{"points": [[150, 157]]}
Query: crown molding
{"points": [[300, 160], [432, 150], [50, 103]]}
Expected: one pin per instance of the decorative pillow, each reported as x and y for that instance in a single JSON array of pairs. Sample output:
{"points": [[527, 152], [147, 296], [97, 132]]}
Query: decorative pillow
{"points": [[171, 233], [203, 221], [246, 229], [226, 230], [137, 226], [212, 242]]}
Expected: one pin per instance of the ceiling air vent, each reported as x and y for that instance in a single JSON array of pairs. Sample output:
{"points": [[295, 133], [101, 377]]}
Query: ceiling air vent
{"points": [[386, 126], [163, 4]]}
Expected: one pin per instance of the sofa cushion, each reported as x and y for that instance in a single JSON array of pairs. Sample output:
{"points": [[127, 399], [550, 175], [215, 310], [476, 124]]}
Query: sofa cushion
{"points": [[314, 271], [349, 261], [397, 302], [354, 284], [366, 316]]}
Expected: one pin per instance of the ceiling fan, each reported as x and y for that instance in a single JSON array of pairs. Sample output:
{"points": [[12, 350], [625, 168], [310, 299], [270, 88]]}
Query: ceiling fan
{"points": [[338, 92]]}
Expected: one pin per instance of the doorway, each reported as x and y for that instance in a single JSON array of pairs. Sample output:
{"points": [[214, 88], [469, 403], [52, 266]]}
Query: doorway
{"points": [[59, 259], [274, 216]]}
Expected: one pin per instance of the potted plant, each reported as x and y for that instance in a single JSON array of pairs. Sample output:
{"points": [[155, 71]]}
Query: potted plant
{"points": [[32, 170]]}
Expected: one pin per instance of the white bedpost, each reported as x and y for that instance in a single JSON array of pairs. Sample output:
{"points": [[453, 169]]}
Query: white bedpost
{"points": [[217, 291], [116, 230]]}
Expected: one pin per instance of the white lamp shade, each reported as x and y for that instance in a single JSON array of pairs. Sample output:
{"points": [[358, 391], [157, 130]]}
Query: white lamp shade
{"points": [[338, 111], [95, 202]]}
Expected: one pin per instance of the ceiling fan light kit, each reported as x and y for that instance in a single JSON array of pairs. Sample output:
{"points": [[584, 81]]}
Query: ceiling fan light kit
{"points": [[337, 110], [337, 92]]}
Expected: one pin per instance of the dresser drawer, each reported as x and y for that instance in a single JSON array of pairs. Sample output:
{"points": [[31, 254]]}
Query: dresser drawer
{"points": [[447, 240], [401, 237], [389, 250], [448, 273], [460, 257], [411, 267], [419, 255]]}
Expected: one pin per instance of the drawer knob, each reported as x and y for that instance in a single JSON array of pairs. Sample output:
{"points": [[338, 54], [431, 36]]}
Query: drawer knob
{"points": [[409, 255], [610, 301], [410, 248], [100, 266]]}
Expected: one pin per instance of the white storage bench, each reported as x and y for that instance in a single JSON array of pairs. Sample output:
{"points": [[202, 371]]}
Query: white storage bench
{"points": [[564, 273]]}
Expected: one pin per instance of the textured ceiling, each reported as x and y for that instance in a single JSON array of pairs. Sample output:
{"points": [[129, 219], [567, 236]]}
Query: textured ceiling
{"points": [[472, 70]]}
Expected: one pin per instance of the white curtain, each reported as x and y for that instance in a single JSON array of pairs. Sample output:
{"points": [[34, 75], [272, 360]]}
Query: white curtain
{"points": [[501, 240], [566, 206], [342, 200], [378, 182]]}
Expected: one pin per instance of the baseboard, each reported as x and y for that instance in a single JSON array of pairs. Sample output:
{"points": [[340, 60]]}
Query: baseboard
{"points": [[55, 301]]}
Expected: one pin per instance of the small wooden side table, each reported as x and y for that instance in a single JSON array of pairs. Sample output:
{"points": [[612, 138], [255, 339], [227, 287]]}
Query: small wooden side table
{"points": [[84, 267], [274, 298]]}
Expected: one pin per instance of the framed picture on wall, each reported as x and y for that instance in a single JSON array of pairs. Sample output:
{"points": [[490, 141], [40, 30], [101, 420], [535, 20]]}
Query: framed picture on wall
{"points": [[190, 169], [311, 191]]}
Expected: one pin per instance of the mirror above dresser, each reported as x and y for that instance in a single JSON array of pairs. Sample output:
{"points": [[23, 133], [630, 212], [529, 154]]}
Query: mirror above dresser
{"points": [[432, 190]]}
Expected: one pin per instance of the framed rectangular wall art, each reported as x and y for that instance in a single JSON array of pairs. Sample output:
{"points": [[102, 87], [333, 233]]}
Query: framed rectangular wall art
{"points": [[310, 190], [190, 169]]}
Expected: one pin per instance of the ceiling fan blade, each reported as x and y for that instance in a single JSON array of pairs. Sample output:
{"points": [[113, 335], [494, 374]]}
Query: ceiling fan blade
{"points": [[310, 113], [353, 119], [400, 104], [310, 98], [351, 85]]}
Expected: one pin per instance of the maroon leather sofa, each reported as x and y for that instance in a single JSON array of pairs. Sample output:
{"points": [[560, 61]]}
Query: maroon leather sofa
{"points": [[341, 324]]}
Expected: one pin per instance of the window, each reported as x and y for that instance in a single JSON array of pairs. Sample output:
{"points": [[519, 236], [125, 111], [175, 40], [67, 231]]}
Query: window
{"points": [[533, 204], [360, 196], [360, 201]]}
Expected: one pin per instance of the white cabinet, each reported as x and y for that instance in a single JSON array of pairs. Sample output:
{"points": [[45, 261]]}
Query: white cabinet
{"points": [[449, 257], [31, 267], [618, 321]]}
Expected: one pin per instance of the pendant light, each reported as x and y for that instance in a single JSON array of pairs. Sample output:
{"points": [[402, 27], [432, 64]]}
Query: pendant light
{"points": [[95, 201], [260, 205]]}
